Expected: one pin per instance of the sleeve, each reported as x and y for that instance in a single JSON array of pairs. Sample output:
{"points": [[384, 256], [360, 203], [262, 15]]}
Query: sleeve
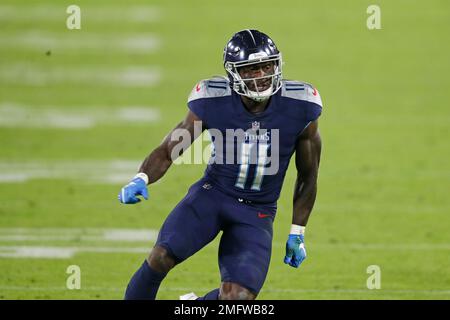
{"points": [[314, 108], [197, 102]]}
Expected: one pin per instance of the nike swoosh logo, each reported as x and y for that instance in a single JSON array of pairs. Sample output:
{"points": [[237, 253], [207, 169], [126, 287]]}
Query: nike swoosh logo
{"points": [[263, 215], [197, 88]]}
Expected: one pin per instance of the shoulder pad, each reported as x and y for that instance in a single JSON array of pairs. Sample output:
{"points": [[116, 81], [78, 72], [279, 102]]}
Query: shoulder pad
{"points": [[211, 88], [300, 91]]}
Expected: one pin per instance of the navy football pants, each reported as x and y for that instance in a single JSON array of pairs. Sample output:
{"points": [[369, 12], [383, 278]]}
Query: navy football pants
{"points": [[246, 243]]}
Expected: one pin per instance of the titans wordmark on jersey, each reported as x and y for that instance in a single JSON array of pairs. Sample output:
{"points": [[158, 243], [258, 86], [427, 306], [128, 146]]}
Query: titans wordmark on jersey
{"points": [[252, 152]]}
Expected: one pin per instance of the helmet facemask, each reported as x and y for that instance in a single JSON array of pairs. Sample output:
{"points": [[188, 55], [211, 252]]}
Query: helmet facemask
{"points": [[239, 84]]}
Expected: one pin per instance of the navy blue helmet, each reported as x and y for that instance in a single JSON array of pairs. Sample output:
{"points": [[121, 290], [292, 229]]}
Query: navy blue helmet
{"points": [[249, 47]]}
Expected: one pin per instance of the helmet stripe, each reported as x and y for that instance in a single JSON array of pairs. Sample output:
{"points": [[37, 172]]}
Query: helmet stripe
{"points": [[252, 36]]}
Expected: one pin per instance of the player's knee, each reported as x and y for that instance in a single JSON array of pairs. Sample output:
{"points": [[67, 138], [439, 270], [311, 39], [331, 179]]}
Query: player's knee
{"points": [[234, 291], [160, 260]]}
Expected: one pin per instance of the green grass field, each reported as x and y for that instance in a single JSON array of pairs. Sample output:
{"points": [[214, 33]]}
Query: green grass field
{"points": [[80, 110]]}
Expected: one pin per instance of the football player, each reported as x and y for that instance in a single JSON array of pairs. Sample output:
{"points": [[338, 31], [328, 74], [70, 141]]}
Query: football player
{"points": [[279, 118]]}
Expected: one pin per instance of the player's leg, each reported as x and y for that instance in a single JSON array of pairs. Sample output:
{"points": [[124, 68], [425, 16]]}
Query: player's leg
{"points": [[192, 224], [243, 261], [245, 251], [212, 295], [228, 291], [144, 284], [235, 291], [161, 260]]}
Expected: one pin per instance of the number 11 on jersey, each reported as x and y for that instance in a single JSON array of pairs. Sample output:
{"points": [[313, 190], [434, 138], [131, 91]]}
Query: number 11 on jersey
{"points": [[246, 151]]}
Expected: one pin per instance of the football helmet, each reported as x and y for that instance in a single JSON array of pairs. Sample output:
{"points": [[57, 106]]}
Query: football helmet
{"points": [[247, 48]]}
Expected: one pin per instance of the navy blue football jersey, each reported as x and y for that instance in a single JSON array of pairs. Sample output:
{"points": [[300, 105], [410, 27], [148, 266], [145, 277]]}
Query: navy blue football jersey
{"points": [[252, 164]]}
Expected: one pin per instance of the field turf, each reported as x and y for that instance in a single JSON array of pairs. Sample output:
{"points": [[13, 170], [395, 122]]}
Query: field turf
{"points": [[80, 110]]}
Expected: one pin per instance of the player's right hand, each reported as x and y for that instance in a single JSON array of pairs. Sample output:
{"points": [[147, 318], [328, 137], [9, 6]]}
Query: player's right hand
{"points": [[136, 187]]}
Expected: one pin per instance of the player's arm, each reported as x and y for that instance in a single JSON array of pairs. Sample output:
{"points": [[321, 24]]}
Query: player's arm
{"points": [[160, 159], [307, 159]]}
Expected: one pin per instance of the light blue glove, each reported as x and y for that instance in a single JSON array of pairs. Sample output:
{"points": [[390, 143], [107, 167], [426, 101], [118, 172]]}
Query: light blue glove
{"points": [[295, 250], [136, 187]]}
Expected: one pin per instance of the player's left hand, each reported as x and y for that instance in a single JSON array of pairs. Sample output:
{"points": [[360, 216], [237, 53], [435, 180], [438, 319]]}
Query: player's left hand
{"points": [[295, 250]]}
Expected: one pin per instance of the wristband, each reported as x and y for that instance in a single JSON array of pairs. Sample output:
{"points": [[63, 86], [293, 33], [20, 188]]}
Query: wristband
{"points": [[143, 176], [296, 229]]}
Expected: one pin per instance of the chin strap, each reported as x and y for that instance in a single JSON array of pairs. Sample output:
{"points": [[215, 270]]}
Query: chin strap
{"points": [[259, 99], [260, 96]]}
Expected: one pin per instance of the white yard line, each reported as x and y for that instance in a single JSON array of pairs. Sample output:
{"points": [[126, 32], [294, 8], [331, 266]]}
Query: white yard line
{"points": [[15, 115], [48, 252], [78, 234], [134, 76], [107, 13], [376, 246], [87, 171], [57, 42], [94, 234]]}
